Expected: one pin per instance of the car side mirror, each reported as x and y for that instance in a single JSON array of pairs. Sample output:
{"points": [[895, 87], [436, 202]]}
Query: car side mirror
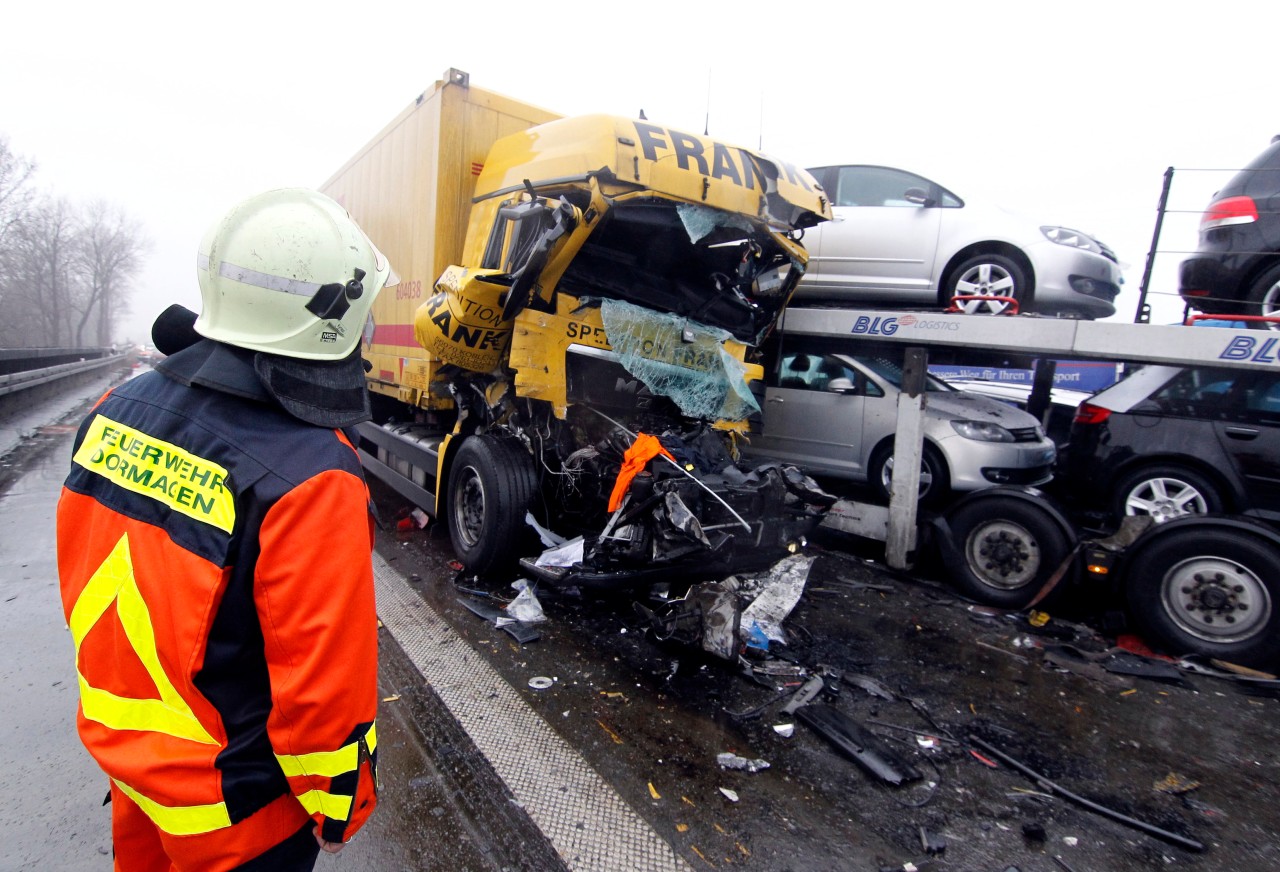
{"points": [[920, 197], [841, 386]]}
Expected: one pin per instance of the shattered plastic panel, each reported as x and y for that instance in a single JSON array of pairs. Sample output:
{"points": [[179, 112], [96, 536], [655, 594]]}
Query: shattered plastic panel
{"points": [[681, 359]]}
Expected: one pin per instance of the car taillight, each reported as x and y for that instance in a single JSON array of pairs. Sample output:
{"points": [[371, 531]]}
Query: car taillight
{"points": [[1088, 413], [1228, 211]]}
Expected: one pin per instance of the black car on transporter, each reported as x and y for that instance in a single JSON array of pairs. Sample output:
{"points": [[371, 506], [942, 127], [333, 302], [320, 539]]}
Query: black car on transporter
{"points": [[1236, 267], [1168, 441]]}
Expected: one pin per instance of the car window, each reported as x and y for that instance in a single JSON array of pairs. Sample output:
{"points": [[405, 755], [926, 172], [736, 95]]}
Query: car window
{"points": [[885, 186], [1262, 398], [1195, 393], [877, 186], [808, 371], [891, 371]]}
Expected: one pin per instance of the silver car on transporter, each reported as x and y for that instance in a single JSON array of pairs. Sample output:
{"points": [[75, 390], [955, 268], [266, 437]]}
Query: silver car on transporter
{"points": [[900, 239], [833, 412]]}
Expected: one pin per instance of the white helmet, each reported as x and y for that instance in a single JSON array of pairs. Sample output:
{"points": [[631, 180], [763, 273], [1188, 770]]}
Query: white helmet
{"points": [[288, 272]]}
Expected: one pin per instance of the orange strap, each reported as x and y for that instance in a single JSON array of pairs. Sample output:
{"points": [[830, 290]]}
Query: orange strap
{"points": [[644, 449]]}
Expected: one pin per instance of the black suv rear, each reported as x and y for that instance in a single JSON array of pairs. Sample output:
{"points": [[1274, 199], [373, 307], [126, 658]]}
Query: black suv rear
{"points": [[1236, 268], [1168, 441]]}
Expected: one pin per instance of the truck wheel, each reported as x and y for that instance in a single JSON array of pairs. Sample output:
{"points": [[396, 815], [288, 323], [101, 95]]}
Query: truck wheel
{"points": [[1216, 594], [988, 275], [491, 484], [935, 481], [1164, 493], [1008, 548]]}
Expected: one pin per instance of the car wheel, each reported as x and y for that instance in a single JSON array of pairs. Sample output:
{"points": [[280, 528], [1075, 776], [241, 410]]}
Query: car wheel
{"points": [[987, 275], [1265, 299], [1164, 493], [1212, 594], [1008, 550], [935, 481], [491, 484]]}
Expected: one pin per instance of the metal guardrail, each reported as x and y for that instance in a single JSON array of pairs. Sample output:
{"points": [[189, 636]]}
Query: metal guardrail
{"points": [[20, 381]]}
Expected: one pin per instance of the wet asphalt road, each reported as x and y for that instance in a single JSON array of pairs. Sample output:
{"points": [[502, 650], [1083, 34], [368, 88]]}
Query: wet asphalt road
{"points": [[1194, 758]]}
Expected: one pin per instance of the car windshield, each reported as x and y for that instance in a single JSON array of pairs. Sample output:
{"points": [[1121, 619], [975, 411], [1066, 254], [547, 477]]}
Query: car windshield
{"points": [[891, 371]]}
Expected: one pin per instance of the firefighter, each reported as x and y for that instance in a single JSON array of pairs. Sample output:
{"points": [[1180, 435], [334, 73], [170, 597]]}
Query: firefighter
{"points": [[214, 554]]}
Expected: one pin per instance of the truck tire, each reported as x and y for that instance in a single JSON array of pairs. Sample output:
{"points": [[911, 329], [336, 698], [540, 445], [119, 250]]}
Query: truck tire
{"points": [[1215, 594], [491, 485], [1007, 548]]}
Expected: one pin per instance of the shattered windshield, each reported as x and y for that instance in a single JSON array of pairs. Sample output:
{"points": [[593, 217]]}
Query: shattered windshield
{"points": [[678, 358], [714, 267]]}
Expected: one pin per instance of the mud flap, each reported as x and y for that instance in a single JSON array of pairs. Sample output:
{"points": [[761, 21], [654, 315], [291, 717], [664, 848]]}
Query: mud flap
{"points": [[857, 743]]}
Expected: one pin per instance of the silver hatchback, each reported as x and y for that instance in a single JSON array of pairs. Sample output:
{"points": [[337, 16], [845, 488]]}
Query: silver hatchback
{"points": [[835, 414], [898, 238]]}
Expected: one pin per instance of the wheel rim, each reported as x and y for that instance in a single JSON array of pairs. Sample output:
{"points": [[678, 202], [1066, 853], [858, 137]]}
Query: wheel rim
{"points": [[468, 506], [926, 477], [985, 279], [1003, 554], [1216, 600], [1270, 306], [1165, 498]]}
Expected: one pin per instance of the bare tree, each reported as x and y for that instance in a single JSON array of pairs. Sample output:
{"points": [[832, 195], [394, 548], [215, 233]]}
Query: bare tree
{"points": [[16, 191], [40, 255], [108, 252], [65, 271]]}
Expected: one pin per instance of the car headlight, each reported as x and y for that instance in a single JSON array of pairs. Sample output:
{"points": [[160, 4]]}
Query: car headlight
{"points": [[1071, 238], [982, 431]]}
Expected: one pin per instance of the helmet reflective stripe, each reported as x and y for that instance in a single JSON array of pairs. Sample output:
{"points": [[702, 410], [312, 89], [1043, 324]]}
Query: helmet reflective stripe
{"points": [[247, 276]]}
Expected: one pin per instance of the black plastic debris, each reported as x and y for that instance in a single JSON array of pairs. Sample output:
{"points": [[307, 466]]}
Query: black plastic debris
{"points": [[517, 630], [1034, 830], [932, 843], [857, 743], [1125, 663], [1046, 784]]}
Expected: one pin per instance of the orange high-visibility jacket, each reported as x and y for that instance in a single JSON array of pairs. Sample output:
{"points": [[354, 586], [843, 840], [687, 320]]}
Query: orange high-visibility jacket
{"points": [[215, 563]]}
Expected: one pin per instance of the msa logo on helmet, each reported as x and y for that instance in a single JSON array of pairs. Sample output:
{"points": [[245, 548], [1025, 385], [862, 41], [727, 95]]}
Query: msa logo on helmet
{"points": [[329, 336]]}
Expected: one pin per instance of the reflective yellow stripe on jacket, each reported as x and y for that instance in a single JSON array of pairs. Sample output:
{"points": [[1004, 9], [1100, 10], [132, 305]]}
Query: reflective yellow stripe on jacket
{"points": [[328, 764], [180, 820]]}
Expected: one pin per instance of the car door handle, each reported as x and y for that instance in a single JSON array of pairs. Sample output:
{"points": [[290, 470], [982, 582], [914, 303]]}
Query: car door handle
{"points": [[1241, 432], [776, 400]]}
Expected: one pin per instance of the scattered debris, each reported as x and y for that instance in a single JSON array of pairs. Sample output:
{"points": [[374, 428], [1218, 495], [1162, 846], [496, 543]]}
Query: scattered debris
{"points": [[617, 740], [1175, 784], [869, 684], [932, 843], [786, 731], [731, 795], [518, 630], [985, 761], [541, 682], [729, 760], [1150, 829], [804, 695], [525, 608], [653, 791], [857, 743], [392, 698]]}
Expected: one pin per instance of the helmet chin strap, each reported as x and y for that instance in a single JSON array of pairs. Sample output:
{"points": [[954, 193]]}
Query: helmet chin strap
{"points": [[332, 301]]}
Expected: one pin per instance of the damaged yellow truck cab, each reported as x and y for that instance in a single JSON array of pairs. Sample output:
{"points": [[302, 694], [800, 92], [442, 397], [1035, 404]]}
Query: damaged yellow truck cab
{"points": [[616, 277], [626, 210]]}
